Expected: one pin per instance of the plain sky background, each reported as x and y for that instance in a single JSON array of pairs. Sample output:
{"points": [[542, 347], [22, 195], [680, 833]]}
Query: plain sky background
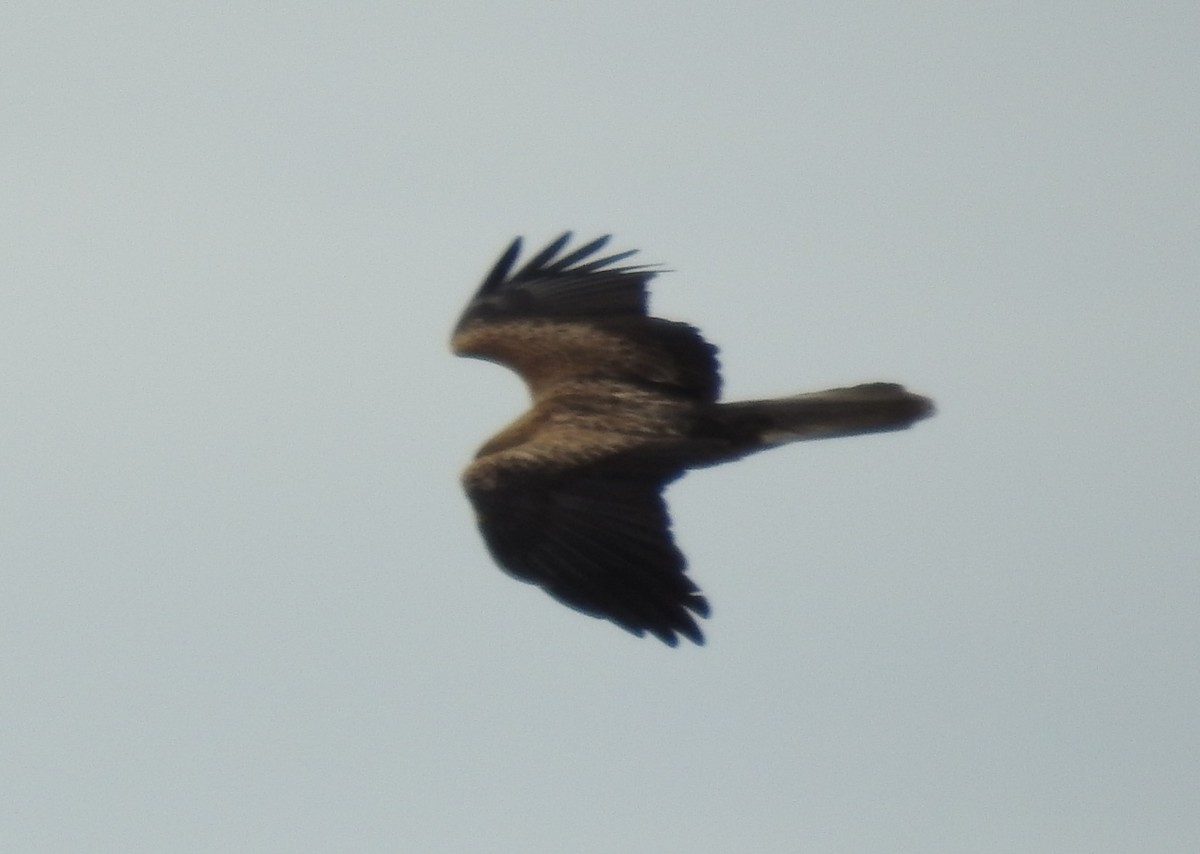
{"points": [[243, 605]]}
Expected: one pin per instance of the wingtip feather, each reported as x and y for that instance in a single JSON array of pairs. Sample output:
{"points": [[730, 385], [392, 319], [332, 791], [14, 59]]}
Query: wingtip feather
{"points": [[502, 267]]}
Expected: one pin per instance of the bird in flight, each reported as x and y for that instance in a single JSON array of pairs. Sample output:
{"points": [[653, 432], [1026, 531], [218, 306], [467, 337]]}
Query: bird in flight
{"points": [[570, 495]]}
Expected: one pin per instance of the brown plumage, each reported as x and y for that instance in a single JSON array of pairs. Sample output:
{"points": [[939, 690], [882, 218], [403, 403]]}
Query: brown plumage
{"points": [[569, 496]]}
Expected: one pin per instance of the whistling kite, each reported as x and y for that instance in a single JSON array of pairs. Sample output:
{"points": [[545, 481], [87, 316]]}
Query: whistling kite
{"points": [[569, 496]]}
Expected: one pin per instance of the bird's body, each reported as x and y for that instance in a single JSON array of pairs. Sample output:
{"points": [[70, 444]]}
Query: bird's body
{"points": [[569, 496]]}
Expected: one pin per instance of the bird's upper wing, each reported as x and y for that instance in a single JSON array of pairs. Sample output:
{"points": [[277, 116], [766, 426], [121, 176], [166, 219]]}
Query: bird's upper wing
{"points": [[596, 539], [561, 318]]}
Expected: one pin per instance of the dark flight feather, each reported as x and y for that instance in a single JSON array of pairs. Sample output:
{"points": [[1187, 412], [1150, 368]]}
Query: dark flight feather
{"points": [[545, 287], [600, 544], [569, 497]]}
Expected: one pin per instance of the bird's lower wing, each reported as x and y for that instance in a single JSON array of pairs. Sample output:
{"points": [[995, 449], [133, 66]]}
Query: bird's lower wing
{"points": [[597, 541]]}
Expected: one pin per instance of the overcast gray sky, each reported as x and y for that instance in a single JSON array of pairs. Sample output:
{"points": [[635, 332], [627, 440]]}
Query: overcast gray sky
{"points": [[244, 606]]}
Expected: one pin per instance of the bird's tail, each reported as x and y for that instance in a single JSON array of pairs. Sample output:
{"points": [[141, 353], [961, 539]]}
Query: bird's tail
{"points": [[868, 408]]}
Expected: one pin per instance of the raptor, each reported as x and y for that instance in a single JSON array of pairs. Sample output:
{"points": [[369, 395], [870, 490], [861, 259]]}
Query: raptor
{"points": [[570, 495]]}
